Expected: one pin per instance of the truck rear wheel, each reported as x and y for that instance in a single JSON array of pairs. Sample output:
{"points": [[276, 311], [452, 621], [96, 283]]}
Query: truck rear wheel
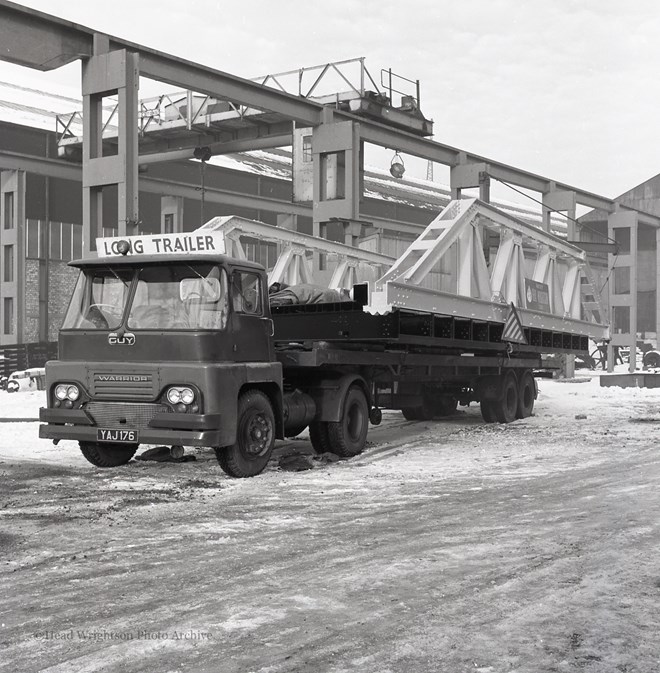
{"points": [[487, 411], [348, 435], [255, 437], [318, 436], [444, 405], [526, 395], [506, 407], [107, 455]]}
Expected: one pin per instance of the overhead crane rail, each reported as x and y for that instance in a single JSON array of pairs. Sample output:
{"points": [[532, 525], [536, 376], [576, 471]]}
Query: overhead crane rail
{"points": [[185, 114]]}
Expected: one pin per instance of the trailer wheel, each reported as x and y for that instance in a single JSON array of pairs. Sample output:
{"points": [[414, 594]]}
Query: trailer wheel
{"points": [[526, 395], [506, 407], [444, 405], [107, 455], [318, 436], [410, 413], [347, 436], [255, 437], [487, 411]]}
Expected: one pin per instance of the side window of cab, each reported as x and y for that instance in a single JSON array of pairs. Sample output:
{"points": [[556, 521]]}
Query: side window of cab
{"points": [[246, 293]]}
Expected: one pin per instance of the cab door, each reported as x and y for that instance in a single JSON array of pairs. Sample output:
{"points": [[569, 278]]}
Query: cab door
{"points": [[251, 323]]}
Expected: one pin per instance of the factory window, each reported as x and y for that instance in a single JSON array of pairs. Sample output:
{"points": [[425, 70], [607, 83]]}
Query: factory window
{"points": [[307, 149], [33, 238], [55, 240], [622, 280], [66, 242], [9, 210], [621, 319], [8, 261], [76, 232], [9, 315], [622, 238]]}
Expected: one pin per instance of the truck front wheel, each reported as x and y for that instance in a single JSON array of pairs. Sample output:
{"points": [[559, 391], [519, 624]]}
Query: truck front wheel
{"points": [[349, 434], [107, 455], [255, 437]]}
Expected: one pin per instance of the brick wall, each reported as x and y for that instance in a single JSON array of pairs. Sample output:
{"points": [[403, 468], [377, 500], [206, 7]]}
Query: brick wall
{"points": [[31, 329], [61, 281]]}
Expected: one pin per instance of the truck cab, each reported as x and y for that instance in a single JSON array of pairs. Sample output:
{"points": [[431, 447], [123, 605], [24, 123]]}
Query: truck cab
{"points": [[172, 348]]}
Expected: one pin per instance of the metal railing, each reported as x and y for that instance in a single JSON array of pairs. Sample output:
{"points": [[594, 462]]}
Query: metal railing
{"points": [[189, 108]]}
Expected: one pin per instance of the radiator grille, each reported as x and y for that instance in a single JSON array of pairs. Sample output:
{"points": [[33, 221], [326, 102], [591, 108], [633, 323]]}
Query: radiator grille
{"points": [[134, 416], [124, 386]]}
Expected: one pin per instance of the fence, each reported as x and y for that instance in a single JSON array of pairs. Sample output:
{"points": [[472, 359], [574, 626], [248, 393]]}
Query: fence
{"points": [[24, 356]]}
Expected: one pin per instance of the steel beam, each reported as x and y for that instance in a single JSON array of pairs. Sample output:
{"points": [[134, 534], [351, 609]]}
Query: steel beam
{"points": [[403, 296], [229, 147]]}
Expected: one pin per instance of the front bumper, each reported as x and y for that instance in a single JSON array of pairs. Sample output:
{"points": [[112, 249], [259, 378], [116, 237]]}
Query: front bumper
{"points": [[171, 428]]}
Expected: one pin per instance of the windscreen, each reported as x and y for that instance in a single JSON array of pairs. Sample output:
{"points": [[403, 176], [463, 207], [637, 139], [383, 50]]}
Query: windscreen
{"points": [[99, 299], [180, 296]]}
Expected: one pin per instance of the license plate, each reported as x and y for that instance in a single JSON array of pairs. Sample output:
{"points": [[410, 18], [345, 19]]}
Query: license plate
{"points": [[117, 436]]}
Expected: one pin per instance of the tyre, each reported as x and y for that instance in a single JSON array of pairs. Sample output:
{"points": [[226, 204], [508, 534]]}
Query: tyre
{"points": [[318, 436], [294, 432], [506, 407], [444, 405], [348, 435], [599, 358], [107, 455], [255, 437], [410, 413], [526, 395], [651, 359], [487, 411]]}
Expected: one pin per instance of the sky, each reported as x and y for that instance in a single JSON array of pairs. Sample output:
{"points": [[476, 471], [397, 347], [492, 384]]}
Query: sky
{"points": [[566, 89]]}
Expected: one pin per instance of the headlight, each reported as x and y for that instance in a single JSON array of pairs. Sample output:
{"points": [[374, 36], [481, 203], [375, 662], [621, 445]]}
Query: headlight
{"points": [[61, 391], [180, 394], [72, 392]]}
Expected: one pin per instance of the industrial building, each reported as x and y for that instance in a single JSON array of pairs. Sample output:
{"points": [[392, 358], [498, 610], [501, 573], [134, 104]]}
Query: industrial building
{"points": [[139, 177]]}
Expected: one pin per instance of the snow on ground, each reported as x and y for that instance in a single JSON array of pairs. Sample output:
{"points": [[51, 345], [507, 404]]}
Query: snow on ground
{"points": [[450, 545], [559, 403]]}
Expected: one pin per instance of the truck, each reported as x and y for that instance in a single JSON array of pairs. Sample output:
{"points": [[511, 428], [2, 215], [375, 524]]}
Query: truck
{"points": [[177, 340]]}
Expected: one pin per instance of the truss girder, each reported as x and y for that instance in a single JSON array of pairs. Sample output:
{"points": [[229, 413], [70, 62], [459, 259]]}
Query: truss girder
{"points": [[481, 293], [293, 264]]}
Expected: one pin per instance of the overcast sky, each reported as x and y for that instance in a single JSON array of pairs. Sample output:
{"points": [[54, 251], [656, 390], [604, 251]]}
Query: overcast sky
{"points": [[564, 88]]}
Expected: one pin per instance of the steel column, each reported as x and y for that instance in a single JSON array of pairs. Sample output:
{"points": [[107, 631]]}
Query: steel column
{"points": [[620, 222], [109, 73]]}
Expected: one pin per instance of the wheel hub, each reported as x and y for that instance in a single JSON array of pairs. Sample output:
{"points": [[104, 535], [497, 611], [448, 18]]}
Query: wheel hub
{"points": [[258, 435]]}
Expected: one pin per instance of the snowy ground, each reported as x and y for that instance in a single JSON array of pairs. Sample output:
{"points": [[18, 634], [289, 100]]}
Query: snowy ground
{"points": [[447, 546]]}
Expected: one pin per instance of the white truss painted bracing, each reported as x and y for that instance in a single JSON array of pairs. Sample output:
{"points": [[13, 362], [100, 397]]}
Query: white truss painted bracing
{"points": [[295, 250], [483, 290], [484, 285]]}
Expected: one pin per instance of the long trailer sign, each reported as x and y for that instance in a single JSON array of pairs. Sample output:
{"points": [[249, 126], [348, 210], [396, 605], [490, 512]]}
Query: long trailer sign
{"points": [[161, 244]]}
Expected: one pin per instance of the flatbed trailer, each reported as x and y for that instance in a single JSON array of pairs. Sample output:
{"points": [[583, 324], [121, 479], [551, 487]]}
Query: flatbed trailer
{"points": [[171, 339]]}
